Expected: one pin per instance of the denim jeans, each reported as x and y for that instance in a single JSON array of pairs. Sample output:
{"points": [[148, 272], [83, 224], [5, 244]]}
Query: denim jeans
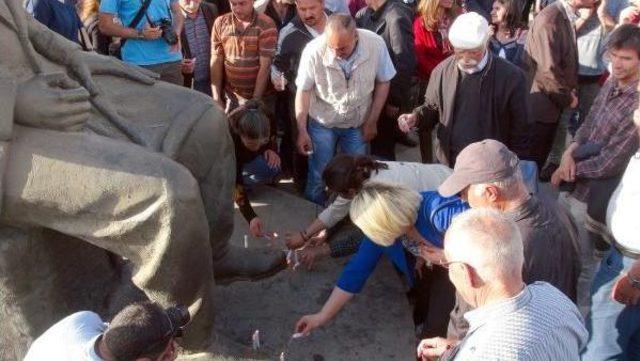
{"points": [[325, 141], [614, 328], [258, 172]]}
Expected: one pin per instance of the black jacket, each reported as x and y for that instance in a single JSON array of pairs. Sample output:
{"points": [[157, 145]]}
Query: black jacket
{"points": [[394, 23], [291, 41], [503, 112]]}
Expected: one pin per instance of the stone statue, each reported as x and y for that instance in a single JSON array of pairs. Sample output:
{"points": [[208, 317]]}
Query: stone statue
{"points": [[99, 150]]}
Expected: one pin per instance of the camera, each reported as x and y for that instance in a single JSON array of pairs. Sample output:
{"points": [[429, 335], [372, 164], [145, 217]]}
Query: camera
{"points": [[179, 317], [168, 34]]}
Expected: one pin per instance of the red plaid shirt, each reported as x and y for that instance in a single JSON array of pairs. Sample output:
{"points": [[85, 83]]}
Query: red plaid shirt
{"points": [[610, 124]]}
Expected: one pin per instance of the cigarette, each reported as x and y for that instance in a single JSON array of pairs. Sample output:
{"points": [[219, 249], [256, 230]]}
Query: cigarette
{"points": [[297, 335], [246, 241]]}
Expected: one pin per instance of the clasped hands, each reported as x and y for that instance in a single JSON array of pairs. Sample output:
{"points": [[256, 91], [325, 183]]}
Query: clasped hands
{"points": [[58, 102]]}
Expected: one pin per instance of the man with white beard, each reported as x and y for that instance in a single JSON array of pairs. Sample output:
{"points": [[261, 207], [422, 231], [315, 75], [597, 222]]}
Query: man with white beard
{"points": [[473, 95]]}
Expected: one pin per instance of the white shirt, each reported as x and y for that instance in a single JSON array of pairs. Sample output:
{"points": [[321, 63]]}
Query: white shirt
{"points": [[72, 339], [539, 324], [415, 176], [624, 207]]}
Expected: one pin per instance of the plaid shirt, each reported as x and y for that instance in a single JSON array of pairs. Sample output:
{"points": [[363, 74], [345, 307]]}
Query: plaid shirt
{"points": [[610, 124]]}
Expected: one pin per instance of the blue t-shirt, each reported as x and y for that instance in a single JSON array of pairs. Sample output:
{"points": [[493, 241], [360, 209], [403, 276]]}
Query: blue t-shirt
{"points": [[434, 217], [143, 52]]}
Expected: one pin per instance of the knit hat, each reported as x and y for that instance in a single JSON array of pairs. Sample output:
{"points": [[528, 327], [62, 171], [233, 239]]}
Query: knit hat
{"points": [[469, 31]]}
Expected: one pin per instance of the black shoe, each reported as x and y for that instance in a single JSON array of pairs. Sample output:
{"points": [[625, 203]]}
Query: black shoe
{"points": [[406, 141], [547, 172]]}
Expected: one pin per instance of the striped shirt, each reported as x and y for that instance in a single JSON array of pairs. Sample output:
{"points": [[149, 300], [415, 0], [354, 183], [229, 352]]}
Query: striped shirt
{"points": [[199, 44], [242, 49], [540, 323]]}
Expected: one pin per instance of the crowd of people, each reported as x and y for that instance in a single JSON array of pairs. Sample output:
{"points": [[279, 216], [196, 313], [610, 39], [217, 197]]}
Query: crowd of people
{"points": [[503, 97]]}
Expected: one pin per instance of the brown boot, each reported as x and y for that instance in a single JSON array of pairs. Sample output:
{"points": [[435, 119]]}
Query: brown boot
{"points": [[248, 264]]}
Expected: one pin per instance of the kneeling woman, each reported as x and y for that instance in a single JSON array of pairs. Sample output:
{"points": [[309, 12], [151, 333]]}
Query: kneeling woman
{"points": [[256, 159], [393, 218]]}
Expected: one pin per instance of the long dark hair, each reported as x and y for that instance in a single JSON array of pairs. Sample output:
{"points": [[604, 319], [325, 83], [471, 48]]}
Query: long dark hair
{"points": [[346, 172], [250, 120], [513, 17]]}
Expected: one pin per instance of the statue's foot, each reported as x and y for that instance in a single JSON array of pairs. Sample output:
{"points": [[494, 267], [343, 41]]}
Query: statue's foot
{"points": [[248, 264]]}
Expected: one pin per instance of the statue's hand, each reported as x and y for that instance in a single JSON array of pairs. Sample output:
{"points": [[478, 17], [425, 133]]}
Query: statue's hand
{"points": [[52, 101], [83, 65]]}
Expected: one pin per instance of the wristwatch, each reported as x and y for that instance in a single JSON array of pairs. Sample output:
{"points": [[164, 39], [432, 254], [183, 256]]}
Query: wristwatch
{"points": [[140, 35], [635, 283]]}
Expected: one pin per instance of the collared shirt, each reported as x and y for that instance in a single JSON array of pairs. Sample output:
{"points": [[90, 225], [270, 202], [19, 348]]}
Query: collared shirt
{"points": [[624, 207], [199, 44], [385, 71], [540, 323], [478, 68], [242, 50], [609, 124]]}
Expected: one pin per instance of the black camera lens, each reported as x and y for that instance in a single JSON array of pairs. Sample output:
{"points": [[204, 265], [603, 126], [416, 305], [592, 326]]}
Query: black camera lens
{"points": [[180, 317]]}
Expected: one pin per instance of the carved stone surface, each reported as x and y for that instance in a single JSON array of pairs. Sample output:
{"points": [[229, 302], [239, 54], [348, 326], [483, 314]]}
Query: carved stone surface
{"points": [[45, 276]]}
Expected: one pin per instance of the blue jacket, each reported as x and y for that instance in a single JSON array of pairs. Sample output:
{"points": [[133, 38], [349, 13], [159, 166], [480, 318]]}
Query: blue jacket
{"points": [[434, 217]]}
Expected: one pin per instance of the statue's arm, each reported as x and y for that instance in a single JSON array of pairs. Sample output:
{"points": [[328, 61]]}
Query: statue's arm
{"points": [[8, 91], [50, 44]]}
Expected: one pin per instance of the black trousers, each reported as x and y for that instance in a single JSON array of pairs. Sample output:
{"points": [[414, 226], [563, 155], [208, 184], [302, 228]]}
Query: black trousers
{"points": [[292, 161], [542, 142], [384, 144], [434, 299]]}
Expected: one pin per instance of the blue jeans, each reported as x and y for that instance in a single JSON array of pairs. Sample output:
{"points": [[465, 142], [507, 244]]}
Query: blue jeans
{"points": [[258, 172], [324, 142], [614, 328]]}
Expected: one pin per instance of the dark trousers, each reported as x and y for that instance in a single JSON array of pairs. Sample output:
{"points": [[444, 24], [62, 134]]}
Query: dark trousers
{"points": [[434, 299], [292, 161], [542, 141], [384, 144]]}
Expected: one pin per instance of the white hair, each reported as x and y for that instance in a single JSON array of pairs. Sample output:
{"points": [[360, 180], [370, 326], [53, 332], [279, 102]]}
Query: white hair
{"points": [[488, 241], [510, 187]]}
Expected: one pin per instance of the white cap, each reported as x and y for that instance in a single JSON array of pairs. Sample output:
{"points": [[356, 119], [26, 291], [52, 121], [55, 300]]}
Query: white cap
{"points": [[469, 31]]}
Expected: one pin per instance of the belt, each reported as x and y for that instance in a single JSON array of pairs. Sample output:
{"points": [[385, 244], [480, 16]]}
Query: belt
{"points": [[626, 252]]}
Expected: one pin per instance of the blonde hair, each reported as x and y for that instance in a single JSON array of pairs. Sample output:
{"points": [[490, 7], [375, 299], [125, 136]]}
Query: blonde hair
{"points": [[431, 13], [384, 211]]}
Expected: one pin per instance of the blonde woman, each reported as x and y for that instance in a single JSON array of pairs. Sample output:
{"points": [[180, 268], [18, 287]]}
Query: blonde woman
{"points": [[393, 218]]}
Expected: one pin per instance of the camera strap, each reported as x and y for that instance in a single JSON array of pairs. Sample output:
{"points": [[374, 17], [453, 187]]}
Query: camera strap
{"points": [[136, 19]]}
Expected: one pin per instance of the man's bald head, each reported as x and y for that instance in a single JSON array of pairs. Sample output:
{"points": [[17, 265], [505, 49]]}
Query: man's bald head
{"points": [[342, 35]]}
